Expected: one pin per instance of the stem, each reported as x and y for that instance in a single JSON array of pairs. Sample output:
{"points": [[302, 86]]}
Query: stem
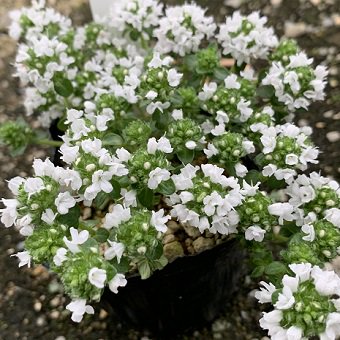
{"points": [[48, 142]]}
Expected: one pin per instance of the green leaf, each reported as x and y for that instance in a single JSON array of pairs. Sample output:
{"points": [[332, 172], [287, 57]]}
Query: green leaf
{"points": [[145, 197], [190, 61], [265, 91], [275, 268], [160, 263], [102, 235], [112, 139], [144, 269], [253, 176], [166, 187], [155, 253], [61, 124], [116, 189], [161, 119], [102, 200], [257, 272], [71, 218], [221, 73], [91, 244], [123, 266], [186, 156], [62, 85]]}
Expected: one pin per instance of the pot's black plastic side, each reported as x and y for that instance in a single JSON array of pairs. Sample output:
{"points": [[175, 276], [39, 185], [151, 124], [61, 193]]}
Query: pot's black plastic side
{"points": [[56, 135], [188, 293]]}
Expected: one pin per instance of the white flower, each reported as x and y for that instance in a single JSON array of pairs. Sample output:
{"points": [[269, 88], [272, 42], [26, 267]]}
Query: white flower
{"points": [[116, 250], [14, 184], [255, 233], [152, 107], [118, 281], [64, 202], [255, 42], [191, 145], [211, 150], [231, 82], [151, 95], [33, 185], [97, 277], [118, 215], [24, 225], [163, 144], [292, 159], [269, 170], [332, 330], [24, 258], [129, 197], [268, 140], [60, 257], [294, 333], [174, 77], [9, 214], [301, 270], [69, 153], [285, 299], [101, 179], [326, 282], [264, 295], [77, 238], [156, 61], [209, 90], [78, 308], [177, 114], [283, 211], [308, 229], [157, 176], [48, 216], [241, 170], [271, 321], [158, 220], [333, 216]]}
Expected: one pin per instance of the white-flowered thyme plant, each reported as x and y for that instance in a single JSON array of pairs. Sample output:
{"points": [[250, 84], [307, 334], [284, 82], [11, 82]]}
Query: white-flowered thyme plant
{"points": [[154, 128]]}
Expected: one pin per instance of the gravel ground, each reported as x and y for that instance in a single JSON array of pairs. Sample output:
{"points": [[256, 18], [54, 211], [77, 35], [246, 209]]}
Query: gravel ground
{"points": [[31, 300]]}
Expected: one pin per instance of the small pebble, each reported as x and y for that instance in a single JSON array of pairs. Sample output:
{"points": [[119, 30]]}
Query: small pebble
{"points": [[54, 315], [169, 238], [41, 321], [320, 125], [202, 243], [37, 306], [103, 314], [328, 114], [333, 136]]}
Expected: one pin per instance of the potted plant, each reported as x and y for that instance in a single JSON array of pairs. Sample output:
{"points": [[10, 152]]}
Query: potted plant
{"points": [[169, 153]]}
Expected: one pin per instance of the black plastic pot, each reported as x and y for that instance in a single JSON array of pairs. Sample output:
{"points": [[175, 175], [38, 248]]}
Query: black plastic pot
{"points": [[188, 293]]}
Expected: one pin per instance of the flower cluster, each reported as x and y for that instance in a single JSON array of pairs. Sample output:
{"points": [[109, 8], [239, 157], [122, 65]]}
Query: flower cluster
{"points": [[155, 131]]}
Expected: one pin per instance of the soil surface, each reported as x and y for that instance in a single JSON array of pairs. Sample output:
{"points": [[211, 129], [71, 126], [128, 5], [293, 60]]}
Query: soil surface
{"points": [[32, 304]]}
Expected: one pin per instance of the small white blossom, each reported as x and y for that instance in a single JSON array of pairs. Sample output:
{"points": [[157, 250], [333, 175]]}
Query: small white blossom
{"points": [[157, 176], [158, 220], [255, 233], [116, 249], [119, 280], [60, 257], [78, 308], [64, 202], [24, 258], [77, 238], [97, 277]]}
